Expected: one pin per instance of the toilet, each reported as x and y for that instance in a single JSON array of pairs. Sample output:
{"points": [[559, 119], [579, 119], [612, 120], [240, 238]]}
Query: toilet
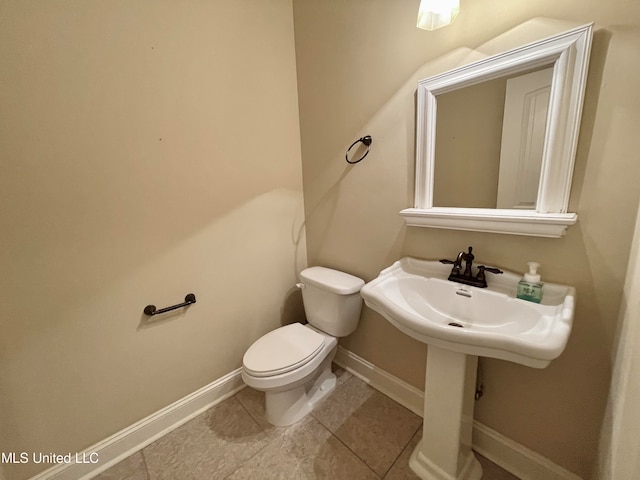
{"points": [[292, 364]]}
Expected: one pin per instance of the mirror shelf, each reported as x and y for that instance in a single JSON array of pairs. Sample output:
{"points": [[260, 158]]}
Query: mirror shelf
{"points": [[514, 222], [567, 53]]}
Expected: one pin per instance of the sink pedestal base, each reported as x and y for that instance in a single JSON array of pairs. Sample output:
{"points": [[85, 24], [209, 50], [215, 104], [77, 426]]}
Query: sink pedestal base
{"points": [[444, 453]]}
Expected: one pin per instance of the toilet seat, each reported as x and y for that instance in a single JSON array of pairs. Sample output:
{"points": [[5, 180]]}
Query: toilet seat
{"points": [[282, 350]]}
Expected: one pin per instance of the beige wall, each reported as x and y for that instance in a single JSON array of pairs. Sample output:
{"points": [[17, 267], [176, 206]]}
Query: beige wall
{"points": [[619, 442], [149, 149], [355, 61], [128, 178]]}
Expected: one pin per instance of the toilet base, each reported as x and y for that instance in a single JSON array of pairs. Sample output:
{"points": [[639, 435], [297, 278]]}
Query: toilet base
{"points": [[286, 407]]}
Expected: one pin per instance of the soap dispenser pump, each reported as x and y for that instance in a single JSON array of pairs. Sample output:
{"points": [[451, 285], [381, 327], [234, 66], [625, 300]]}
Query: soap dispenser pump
{"points": [[530, 287]]}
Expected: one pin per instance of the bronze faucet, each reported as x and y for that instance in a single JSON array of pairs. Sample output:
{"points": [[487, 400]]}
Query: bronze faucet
{"points": [[467, 277]]}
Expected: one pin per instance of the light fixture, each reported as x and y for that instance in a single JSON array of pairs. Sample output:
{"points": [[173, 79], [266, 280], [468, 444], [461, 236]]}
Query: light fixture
{"points": [[434, 14]]}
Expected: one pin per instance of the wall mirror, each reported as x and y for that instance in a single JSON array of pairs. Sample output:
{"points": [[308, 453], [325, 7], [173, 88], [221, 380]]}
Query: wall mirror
{"points": [[496, 139]]}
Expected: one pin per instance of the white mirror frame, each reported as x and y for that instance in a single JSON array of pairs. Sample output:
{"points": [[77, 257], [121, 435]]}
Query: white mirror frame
{"points": [[569, 54]]}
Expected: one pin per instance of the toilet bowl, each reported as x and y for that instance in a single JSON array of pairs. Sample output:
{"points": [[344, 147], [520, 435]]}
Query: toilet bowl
{"points": [[293, 383], [292, 364]]}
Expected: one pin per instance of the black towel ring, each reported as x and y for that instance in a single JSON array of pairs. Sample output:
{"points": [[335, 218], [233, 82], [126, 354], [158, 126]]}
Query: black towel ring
{"points": [[366, 140]]}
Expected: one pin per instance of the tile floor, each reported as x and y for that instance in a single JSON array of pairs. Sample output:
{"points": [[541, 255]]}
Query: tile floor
{"points": [[357, 433]]}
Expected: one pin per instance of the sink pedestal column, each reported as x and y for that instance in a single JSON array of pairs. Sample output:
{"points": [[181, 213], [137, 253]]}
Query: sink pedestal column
{"points": [[444, 453]]}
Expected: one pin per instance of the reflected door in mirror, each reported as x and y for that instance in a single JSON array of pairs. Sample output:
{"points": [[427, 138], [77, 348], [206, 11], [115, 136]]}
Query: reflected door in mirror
{"points": [[523, 132], [489, 142]]}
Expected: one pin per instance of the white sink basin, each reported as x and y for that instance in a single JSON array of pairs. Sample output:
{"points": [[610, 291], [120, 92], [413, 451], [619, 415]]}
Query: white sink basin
{"points": [[416, 297]]}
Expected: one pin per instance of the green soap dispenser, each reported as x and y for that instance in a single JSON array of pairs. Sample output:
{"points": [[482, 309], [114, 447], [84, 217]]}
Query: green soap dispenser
{"points": [[530, 287]]}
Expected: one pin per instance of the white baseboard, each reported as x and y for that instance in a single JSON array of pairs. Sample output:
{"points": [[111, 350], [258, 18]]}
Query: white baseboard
{"points": [[406, 395], [508, 454], [137, 436], [516, 458]]}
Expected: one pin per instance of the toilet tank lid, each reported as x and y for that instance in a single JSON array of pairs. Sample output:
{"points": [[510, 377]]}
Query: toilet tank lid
{"points": [[331, 280]]}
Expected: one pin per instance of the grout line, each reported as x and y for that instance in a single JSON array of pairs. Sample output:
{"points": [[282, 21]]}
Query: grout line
{"points": [[314, 410], [326, 427], [359, 376], [248, 412], [349, 448], [363, 380], [353, 376], [402, 451], [270, 438], [144, 462]]}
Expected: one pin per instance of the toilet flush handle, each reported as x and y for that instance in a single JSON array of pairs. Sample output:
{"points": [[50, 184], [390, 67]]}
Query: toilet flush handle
{"points": [[300, 285]]}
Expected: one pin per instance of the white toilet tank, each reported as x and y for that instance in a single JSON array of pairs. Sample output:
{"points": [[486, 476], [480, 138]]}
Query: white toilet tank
{"points": [[332, 300]]}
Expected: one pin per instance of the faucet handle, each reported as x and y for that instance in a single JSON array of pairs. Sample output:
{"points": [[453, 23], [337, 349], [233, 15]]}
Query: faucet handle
{"points": [[457, 266], [482, 269], [491, 270]]}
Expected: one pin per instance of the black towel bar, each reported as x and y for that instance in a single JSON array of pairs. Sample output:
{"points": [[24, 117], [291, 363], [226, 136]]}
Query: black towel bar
{"points": [[151, 309]]}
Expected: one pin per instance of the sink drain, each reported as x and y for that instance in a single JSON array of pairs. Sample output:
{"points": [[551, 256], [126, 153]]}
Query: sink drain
{"points": [[454, 324]]}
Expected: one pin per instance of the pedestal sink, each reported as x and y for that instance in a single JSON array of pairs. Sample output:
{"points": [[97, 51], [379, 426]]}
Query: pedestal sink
{"points": [[460, 323]]}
